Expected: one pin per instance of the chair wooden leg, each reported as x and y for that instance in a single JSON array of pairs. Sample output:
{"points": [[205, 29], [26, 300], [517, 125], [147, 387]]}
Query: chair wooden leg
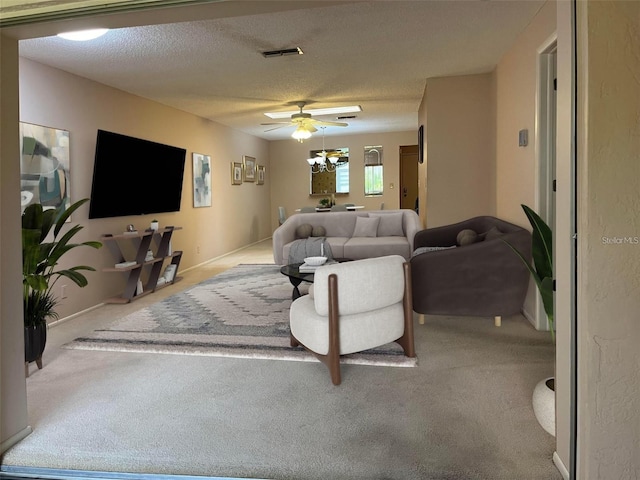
{"points": [[333, 356], [497, 320]]}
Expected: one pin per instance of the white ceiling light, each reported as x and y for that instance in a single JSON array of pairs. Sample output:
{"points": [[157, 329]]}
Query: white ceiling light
{"points": [[301, 133], [318, 111], [83, 35]]}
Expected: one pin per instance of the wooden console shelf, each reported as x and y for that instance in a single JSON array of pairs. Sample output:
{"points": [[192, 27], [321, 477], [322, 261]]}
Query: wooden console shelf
{"points": [[158, 241]]}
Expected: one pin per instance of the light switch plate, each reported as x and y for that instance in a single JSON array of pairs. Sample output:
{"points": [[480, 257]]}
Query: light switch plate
{"points": [[523, 138]]}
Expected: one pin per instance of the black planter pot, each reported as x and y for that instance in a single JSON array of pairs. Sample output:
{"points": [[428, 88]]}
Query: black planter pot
{"points": [[35, 338]]}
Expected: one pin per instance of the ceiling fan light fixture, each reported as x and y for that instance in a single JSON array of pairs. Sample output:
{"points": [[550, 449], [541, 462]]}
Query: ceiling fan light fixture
{"points": [[83, 35], [316, 111], [301, 133]]}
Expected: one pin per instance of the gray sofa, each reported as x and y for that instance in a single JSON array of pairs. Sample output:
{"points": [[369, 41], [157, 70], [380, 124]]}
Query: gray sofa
{"points": [[482, 278], [393, 233]]}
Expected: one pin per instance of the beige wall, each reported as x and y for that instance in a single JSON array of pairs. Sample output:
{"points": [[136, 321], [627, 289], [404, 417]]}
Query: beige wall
{"points": [[58, 99], [516, 95], [290, 172], [460, 137], [516, 77], [13, 407], [608, 208]]}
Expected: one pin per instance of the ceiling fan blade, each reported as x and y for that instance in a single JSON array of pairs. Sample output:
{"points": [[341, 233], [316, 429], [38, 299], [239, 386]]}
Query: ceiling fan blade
{"points": [[333, 124], [311, 128], [274, 128], [276, 123]]}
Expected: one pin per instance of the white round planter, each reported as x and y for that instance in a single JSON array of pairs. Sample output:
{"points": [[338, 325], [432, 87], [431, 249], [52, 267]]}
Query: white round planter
{"points": [[544, 405], [154, 226]]}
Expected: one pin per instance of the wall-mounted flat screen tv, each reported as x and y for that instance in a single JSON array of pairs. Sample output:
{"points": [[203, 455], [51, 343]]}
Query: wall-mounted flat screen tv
{"points": [[132, 176]]}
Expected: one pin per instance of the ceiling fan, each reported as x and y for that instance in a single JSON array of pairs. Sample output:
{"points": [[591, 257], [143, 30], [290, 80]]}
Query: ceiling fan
{"points": [[304, 123]]}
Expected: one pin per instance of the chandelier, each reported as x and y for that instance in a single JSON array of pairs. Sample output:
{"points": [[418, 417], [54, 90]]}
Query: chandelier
{"points": [[323, 163]]}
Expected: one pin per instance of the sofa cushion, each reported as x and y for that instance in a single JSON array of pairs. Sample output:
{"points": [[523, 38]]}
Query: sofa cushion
{"points": [[467, 237], [390, 224], [357, 248], [304, 230], [366, 227]]}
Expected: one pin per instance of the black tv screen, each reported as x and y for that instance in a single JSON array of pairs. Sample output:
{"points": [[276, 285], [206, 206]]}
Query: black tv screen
{"points": [[132, 176]]}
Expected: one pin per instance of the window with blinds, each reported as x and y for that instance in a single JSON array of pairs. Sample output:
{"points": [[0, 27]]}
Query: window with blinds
{"points": [[373, 182]]}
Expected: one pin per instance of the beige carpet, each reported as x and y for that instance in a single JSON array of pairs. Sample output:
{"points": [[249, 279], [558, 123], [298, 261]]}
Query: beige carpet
{"points": [[463, 413]]}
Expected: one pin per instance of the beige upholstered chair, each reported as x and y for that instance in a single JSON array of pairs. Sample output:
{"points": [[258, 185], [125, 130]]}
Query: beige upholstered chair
{"points": [[339, 208], [355, 306], [308, 210]]}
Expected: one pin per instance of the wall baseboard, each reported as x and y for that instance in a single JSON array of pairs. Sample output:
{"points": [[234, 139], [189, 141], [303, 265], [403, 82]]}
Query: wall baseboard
{"points": [[11, 441], [206, 262], [529, 317], [560, 466], [74, 315]]}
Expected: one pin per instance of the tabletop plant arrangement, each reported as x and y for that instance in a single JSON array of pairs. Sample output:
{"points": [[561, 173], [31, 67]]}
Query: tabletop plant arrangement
{"points": [[40, 257]]}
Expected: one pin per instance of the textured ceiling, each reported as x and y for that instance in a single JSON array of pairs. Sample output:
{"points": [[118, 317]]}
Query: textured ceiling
{"points": [[375, 54]]}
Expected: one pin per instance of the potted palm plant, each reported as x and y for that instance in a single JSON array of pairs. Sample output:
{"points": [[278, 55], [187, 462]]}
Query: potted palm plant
{"points": [[542, 273], [40, 257]]}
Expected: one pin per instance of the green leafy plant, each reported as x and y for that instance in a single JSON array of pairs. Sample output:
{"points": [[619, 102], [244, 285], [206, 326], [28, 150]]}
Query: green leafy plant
{"points": [[542, 268], [40, 259], [325, 202]]}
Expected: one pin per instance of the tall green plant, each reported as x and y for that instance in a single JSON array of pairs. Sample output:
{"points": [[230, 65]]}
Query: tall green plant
{"points": [[542, 268], [40, 258]]}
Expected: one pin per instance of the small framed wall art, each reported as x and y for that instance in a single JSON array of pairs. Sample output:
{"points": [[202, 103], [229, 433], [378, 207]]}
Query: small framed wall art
{"points": [[201, 180], [421, 144], [260, 175], [249, 168], [236, 173]]}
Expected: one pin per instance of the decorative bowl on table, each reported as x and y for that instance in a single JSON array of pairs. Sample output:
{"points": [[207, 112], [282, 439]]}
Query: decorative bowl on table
{"points": [[315, 261]]}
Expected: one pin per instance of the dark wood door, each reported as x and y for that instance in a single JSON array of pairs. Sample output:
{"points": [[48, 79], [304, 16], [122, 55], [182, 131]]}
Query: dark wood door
{"points": [[408, 176]]}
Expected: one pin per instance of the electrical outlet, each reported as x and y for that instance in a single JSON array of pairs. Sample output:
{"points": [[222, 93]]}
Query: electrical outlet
{"points": [[63, 291]]}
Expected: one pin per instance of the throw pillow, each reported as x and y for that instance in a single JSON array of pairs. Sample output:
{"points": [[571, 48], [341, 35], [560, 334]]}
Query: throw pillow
{"points": [[493, 232], [304, 230], [390, 224], [319, 231], [466, 237], [366, 227]]}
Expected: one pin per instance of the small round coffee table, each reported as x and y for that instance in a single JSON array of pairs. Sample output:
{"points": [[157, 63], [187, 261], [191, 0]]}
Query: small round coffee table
{"points": [[296, 277]]}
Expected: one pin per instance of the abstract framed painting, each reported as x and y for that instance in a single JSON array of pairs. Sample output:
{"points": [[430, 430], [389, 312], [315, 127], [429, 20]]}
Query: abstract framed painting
{"points": [[201, 180], [44, 166], [249, 168]]}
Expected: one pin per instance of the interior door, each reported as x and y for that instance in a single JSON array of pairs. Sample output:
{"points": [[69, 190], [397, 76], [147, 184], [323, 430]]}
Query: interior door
{"points": [[408, 176]]}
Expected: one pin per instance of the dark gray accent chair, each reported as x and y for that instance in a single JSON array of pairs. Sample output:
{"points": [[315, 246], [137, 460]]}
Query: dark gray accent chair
{"points": [[482, 279]]}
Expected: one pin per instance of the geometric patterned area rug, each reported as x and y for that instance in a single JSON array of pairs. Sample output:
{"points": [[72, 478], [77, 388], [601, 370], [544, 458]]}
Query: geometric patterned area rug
{"points": [[242, 312]]}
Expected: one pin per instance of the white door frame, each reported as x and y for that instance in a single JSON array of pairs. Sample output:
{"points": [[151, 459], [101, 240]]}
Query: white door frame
{"points": [[545, 146]]}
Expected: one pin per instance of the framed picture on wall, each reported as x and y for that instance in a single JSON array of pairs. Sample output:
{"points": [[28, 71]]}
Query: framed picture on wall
{"points": [[260, 175], [249, 168], [421, 144], [236, 173], [201, 180], [44, 166]]}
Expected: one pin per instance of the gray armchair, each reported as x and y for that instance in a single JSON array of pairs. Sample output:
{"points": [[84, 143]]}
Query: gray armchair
{"points": [[484, 278]]}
